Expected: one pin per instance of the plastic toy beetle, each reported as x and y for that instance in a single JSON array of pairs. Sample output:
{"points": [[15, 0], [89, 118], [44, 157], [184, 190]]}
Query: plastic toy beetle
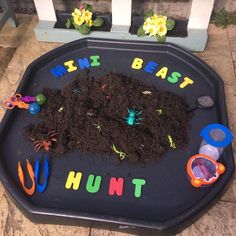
{"points": [[132, 118]]}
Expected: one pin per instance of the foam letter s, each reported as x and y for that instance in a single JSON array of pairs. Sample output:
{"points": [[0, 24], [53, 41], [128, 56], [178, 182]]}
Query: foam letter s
{"points": [[174, 77]]}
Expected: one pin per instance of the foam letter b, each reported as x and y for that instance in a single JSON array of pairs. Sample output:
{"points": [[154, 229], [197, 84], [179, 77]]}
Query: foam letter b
{"points": [[137, 63]]}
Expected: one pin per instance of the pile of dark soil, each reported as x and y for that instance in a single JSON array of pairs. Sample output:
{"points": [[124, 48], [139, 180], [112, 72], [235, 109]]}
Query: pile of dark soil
{"points": [[89, 115]]}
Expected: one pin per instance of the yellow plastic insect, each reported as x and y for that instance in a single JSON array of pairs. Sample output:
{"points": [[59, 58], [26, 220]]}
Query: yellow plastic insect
{"points": [[120, 153], [98, 127], [171, 142], [160, 111], [146, 92], [61, 109]]}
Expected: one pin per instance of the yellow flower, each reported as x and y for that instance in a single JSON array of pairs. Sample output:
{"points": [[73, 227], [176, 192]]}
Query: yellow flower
{"points": [[78, 20], [77, 11], [151, 30], [145, 25], [162, 17], [162, 30], [154, 17], [87, 15], [150, 21], [160, 22], [90, 23], [155, 24]]}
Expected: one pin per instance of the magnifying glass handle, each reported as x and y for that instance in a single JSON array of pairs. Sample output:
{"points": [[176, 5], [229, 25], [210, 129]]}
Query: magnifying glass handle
{"points": [[192, 108]]}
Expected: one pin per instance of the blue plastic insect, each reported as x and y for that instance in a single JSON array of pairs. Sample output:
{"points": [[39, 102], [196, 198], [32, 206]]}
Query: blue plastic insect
{"points": [[132, 118]]}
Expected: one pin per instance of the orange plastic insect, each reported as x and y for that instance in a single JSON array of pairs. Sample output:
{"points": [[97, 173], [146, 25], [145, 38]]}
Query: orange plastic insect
{"points": [[46, 143], [29, 191], [103, 87]]}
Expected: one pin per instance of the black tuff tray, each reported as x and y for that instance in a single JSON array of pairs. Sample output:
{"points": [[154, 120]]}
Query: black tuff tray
{"points": [[168, 200]]}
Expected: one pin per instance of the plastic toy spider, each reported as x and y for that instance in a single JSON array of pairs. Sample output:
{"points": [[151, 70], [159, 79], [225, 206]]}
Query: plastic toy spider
{"points": [[46, 143], [132, 118]]}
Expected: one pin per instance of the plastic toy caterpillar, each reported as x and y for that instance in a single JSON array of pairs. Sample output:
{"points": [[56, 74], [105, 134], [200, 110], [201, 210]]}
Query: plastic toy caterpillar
{"points": [[132, 118], [120, 153]]}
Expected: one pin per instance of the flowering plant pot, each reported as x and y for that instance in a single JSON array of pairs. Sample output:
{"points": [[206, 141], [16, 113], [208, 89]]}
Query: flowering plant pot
{"points": [[156, 25]]}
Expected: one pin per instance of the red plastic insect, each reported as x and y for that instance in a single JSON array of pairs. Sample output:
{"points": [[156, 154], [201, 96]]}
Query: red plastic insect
{"points": [[46, 143]]}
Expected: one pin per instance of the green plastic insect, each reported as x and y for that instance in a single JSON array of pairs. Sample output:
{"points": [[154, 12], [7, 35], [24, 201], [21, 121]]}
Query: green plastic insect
{"points": [[120, 153], [132, 118]]}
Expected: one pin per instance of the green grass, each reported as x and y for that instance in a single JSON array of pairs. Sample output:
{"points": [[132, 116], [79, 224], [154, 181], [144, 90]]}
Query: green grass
{"points": [[224, 18]]}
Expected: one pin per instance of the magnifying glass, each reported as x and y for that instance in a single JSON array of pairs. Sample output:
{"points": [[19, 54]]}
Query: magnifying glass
{"points": [[203, 102], [203, 170]]}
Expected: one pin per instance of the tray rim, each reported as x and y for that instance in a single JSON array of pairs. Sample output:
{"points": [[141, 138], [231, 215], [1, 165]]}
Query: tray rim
{"points": [[194, 212]]}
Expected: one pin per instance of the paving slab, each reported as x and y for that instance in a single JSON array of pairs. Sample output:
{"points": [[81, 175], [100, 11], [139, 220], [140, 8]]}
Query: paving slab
{"points": [[10, 36], [220, 220], [13, 223], [232, 41], [5, 57]]}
